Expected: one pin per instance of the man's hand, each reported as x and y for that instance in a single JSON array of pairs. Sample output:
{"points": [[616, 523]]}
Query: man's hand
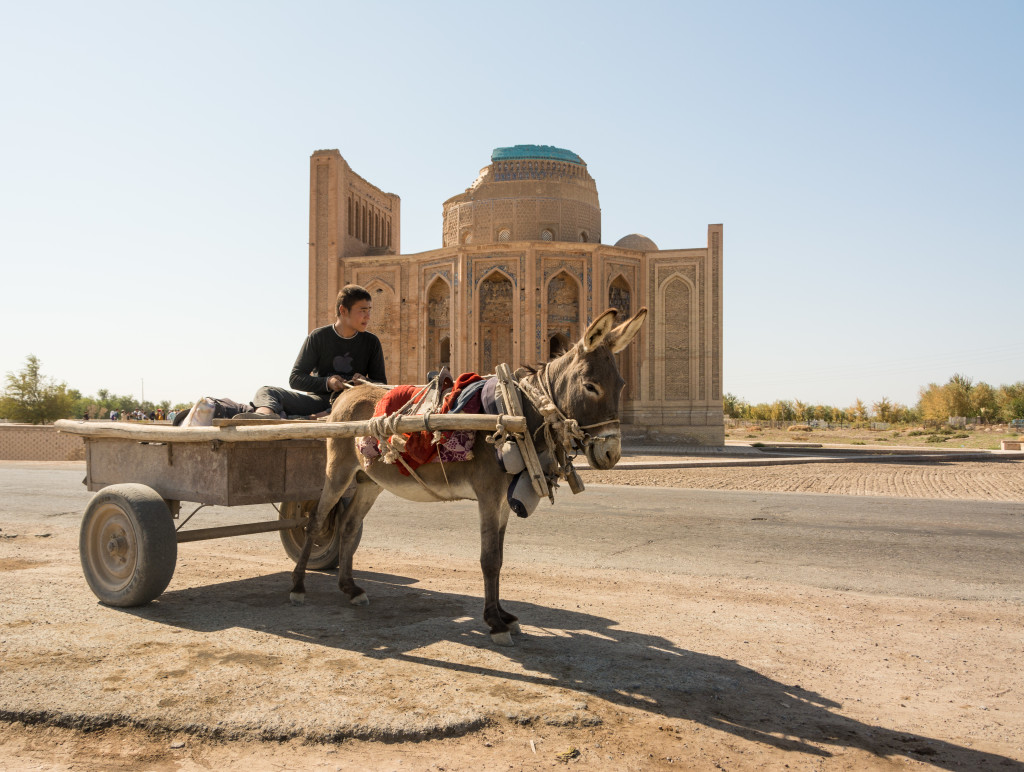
{"points": [[335, 383]]}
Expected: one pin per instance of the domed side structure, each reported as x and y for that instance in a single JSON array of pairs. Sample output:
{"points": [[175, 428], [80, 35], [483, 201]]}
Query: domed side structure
{"points": [[527, 193], [638, 242]]}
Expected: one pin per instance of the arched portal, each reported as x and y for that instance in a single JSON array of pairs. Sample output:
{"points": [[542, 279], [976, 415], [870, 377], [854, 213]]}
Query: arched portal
{"points": [[385, 324], [557, 345], [438, 324], [620, 297], [445, 356], [563, 312], [676, 303], [494, 307]]}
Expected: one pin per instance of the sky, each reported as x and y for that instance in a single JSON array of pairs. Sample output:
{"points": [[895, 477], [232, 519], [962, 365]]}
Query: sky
{"points": [[866, 160]]}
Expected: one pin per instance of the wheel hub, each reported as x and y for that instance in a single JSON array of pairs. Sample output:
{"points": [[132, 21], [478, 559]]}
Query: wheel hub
{"points": [[117, 547]]}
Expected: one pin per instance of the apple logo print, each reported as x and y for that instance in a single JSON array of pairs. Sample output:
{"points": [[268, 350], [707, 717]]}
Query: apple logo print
{"points": [[343, 364]]}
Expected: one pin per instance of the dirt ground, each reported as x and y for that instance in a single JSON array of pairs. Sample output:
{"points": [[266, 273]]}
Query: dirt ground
{"points": [[1001, 478], [742, 675], [986, 437]]}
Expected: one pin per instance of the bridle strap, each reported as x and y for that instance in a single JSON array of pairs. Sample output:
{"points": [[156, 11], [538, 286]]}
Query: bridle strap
{"points": [[571, 436]]}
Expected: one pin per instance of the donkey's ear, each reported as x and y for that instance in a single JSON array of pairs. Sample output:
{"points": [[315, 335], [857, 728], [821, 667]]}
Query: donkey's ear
{"points": [[598, 329], [623, 335]]}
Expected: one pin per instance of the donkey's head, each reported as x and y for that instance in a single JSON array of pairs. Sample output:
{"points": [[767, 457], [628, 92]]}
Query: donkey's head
{"points": [[585, 385]]}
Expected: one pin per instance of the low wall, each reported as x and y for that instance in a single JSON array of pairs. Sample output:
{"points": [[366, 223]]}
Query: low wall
{"points": [[25, 442]]}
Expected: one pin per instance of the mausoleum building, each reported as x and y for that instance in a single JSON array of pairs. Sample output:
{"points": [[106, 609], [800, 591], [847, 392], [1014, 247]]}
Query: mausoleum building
{"points": [[520, 273]]}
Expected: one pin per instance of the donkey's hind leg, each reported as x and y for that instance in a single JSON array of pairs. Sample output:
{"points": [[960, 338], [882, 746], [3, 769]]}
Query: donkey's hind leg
{"points": [[350, 527], [493, 520], [335, 486]]}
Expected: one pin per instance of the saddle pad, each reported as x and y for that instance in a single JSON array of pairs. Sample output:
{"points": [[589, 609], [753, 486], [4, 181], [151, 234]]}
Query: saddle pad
{"points": [[420, 448]]}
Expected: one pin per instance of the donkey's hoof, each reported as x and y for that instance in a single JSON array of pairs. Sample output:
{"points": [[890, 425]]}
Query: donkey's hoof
{"points": [[297, 598], [360, 600], [514, 628], [502, 639]]}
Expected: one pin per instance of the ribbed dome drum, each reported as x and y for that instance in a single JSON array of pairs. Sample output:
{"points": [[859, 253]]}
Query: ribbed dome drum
{"points": [[527, 193]]}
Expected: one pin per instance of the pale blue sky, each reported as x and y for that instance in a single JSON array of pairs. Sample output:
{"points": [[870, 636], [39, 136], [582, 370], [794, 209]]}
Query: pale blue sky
{"points": [[865, 158]]}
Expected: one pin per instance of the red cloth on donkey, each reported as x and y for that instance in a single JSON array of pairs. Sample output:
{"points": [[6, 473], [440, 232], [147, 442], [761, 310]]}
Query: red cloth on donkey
{"points": [[419, 446]]}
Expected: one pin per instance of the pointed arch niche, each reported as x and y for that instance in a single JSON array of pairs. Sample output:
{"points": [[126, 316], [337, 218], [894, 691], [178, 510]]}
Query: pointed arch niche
{"points": [[439, 329], [496, 313], [620, 297], [676, 345], [562, 320], [384, 322]]}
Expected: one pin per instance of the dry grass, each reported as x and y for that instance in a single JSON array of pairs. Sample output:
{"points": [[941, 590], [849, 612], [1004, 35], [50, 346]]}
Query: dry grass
{"points": [[979, 437]]}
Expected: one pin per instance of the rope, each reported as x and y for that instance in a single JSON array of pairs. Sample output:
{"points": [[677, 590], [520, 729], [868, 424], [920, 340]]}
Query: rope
{"points": [[568, 430], [501, 434]]}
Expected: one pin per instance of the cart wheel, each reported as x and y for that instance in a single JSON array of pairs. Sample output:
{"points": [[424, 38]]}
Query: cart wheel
{"points": [[127, 545], [325, 549]]}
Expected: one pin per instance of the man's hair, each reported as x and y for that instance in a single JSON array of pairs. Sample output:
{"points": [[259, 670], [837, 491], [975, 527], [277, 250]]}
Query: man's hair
{"points": [[349, 295]]}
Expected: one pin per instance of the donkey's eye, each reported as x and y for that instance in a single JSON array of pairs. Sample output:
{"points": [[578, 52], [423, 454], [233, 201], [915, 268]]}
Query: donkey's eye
{"points": [[592, 388]]}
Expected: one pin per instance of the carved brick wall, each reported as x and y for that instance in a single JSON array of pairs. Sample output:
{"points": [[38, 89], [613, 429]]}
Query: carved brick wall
{"points": [[716, 313], [20, 442]]}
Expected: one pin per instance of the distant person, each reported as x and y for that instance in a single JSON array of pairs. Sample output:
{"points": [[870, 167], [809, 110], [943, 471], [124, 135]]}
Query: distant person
{"points": [[331, 357]]}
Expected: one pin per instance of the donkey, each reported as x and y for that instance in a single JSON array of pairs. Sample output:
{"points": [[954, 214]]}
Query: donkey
{"points": [[584, 386]]}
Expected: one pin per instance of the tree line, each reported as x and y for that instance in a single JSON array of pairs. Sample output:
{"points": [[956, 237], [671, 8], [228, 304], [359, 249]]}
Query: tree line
{"points": [[960, 396], [33, 398]]}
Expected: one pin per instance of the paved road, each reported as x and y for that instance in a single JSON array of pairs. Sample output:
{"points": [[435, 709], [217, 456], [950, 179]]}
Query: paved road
{"points": [[910, 547]]}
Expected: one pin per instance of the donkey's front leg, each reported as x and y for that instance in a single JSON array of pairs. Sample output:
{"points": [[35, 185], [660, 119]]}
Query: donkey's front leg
{"points": [[350, 526], [493, 520]]}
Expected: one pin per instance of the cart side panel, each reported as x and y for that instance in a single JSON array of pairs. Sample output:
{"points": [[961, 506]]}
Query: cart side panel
{"points": [[177, 471], [225, 474], [283, 470]]}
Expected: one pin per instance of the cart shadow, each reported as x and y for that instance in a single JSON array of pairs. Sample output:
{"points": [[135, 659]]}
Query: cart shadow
{"points": [[564, 649]]}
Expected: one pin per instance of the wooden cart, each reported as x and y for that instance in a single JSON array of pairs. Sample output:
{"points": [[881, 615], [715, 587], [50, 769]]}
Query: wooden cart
{"points": [[141, 474]]}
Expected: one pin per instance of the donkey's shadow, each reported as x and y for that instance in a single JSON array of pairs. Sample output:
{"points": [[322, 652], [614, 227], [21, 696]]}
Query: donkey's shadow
{"points": [[627, 668]]}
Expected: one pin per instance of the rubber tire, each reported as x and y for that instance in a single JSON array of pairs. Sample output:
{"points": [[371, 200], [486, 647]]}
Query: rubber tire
{"points": [[325, 552], [138, 566]]}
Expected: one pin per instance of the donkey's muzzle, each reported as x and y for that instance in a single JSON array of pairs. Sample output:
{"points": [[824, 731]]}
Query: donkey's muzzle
{"points": [[604, 452]]}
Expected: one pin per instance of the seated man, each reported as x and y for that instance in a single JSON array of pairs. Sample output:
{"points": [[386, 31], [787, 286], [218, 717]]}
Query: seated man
{"points": [[331, 356]]}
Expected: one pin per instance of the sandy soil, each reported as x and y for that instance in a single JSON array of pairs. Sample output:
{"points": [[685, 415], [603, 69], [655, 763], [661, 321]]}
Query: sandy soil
{"points": [[743, 675]]}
